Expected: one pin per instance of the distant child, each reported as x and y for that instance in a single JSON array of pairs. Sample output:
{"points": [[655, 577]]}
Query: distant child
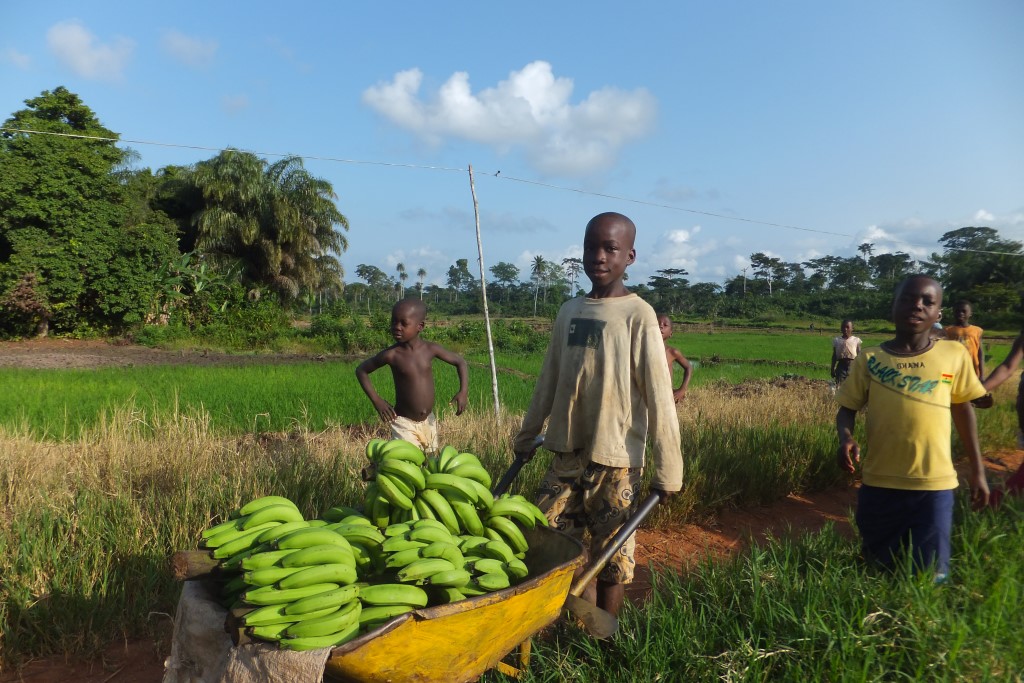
{"points": [[603, 387], [410, 358], [845, 348], [967, 334], [674, 355], [1003, 372], [911, 386]]}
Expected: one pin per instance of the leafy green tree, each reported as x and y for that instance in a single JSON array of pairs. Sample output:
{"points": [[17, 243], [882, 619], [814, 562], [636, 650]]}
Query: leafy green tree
{"points": [[978, 256], [506, 275], [70, 214], [276, 220]]}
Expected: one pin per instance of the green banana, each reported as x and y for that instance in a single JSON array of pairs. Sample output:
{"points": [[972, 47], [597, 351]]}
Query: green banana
{"points": [[499, 550], [403, 557], [212, 531], [397, 544], [515, 509], [445, 456], [406, 488], [262, 502], [373, 447], [423, 508], [358, 533], [320, 601], [442, 509], [235, 585], [484, 497], [444, 595], [265, 559], [408, 472], [436, 524], [280, 530], [273, 513], [320, 555], [396, 529], [304, 538], [513, 535], [430, 534], [393, 594], [379, 508], [453, 578], [493, 582], [226, 536], [422, 569], [487, 565], [538, 514], [272, 595], [234, 563], [471, 471], [392, 491], [469, 519], [319, 642], [398, 449], [339, 512], [471, 590], [517, 569], [449, 482], [269, 615], [268, 576], [375, 615], [444, 550], [341, 619], [460, 459], [356, 519], [342, 574], [242, 543], [271, 632], [467, 542]]}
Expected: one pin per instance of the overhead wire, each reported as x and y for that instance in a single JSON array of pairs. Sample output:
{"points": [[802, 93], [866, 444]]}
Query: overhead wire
{"points": [[497, 175]]}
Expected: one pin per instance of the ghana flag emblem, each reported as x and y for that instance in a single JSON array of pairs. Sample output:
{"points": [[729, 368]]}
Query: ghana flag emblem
{"points": [[947, 378]]}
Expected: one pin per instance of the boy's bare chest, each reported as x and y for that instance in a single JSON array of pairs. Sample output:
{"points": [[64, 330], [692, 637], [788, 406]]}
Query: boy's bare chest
{"points": [[411, 364]]}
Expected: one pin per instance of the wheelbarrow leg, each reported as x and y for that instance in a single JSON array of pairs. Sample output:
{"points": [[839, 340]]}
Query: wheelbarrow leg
{"points": [[522, 663]]}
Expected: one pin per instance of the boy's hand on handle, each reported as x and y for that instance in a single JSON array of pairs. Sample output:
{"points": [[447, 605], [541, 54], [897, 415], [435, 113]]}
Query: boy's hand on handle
{"points": [[679, 395], [385, 410], [848, 455], [461, 400], [985, 401], [663, 495]]}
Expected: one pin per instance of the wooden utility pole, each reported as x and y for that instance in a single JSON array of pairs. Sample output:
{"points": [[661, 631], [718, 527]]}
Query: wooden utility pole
{"points": [[483, 292], [744, 281]]}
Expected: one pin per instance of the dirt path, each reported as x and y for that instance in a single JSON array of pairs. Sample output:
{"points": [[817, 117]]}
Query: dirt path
{"points": [[141, 661]]}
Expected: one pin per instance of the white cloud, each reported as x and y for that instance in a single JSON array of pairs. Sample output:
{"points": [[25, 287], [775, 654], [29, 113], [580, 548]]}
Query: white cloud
{"points": [[234, 104], [18, 59], [983, 216], [530, 111], [194, 52], [79, 49]]}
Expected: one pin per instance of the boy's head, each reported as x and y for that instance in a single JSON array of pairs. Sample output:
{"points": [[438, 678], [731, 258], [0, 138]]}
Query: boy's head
{"points": [[962, 312], [846, 328], [608, 248], [407, 318], [665, 324], [917, 305]]}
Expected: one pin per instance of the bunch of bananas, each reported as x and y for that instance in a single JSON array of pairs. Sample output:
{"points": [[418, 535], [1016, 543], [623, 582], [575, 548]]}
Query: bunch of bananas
{"points": [[430, 533]]}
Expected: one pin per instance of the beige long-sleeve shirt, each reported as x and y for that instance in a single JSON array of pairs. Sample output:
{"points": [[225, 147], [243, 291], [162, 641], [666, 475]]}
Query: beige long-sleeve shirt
{"points": [[605, 386]]}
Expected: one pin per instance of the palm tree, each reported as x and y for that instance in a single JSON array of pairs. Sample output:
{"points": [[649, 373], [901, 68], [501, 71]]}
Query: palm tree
{"points": [[278, 222], [421, 275], [402, 277], [537, 270]]}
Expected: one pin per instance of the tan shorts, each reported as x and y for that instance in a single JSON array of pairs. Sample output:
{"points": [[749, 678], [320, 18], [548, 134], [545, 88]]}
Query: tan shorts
{"points": [[423, 434], [578, 495]]}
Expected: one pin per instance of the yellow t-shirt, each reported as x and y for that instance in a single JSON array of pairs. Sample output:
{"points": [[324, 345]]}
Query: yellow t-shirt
{"points": [[908, 423], [970, 337]]}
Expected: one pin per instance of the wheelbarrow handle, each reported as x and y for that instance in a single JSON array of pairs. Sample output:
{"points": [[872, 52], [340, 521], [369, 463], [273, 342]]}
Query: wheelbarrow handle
{"points": [[620, 537], [517, 464]]}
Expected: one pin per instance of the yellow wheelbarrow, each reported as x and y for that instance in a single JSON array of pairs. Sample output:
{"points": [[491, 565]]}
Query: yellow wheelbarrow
{"points": [[459, 642]]}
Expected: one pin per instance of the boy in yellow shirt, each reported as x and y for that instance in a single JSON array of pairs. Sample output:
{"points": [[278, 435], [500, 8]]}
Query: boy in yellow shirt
{"points": [[912, 385]]}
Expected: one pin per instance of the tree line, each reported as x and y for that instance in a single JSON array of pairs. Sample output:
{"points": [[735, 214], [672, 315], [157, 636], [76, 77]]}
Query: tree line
{"points": [[91, 245]]}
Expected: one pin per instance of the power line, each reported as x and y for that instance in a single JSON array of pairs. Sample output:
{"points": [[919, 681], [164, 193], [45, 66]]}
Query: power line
{"points": [[497, 176]]}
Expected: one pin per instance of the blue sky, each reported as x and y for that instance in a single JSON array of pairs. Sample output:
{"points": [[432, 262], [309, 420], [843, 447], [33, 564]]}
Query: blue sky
{"points": [[887, 122]]}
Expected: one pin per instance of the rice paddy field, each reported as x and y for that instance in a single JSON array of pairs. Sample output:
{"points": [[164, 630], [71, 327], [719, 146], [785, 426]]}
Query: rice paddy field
{"points": [[104, 473]]}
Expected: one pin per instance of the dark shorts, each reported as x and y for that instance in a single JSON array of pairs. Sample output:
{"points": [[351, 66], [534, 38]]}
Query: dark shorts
{"points": [[842, 370], [891, 521]]}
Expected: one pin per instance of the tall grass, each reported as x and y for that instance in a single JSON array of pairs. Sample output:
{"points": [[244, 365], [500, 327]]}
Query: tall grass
{"points": [[807, 609]]}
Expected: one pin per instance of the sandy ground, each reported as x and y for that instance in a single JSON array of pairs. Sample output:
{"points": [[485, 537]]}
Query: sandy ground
{"points": [[141, 661]]}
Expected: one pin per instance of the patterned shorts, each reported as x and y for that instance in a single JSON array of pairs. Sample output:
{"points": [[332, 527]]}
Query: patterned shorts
{"points": [[423, 434], [578, 495]]}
